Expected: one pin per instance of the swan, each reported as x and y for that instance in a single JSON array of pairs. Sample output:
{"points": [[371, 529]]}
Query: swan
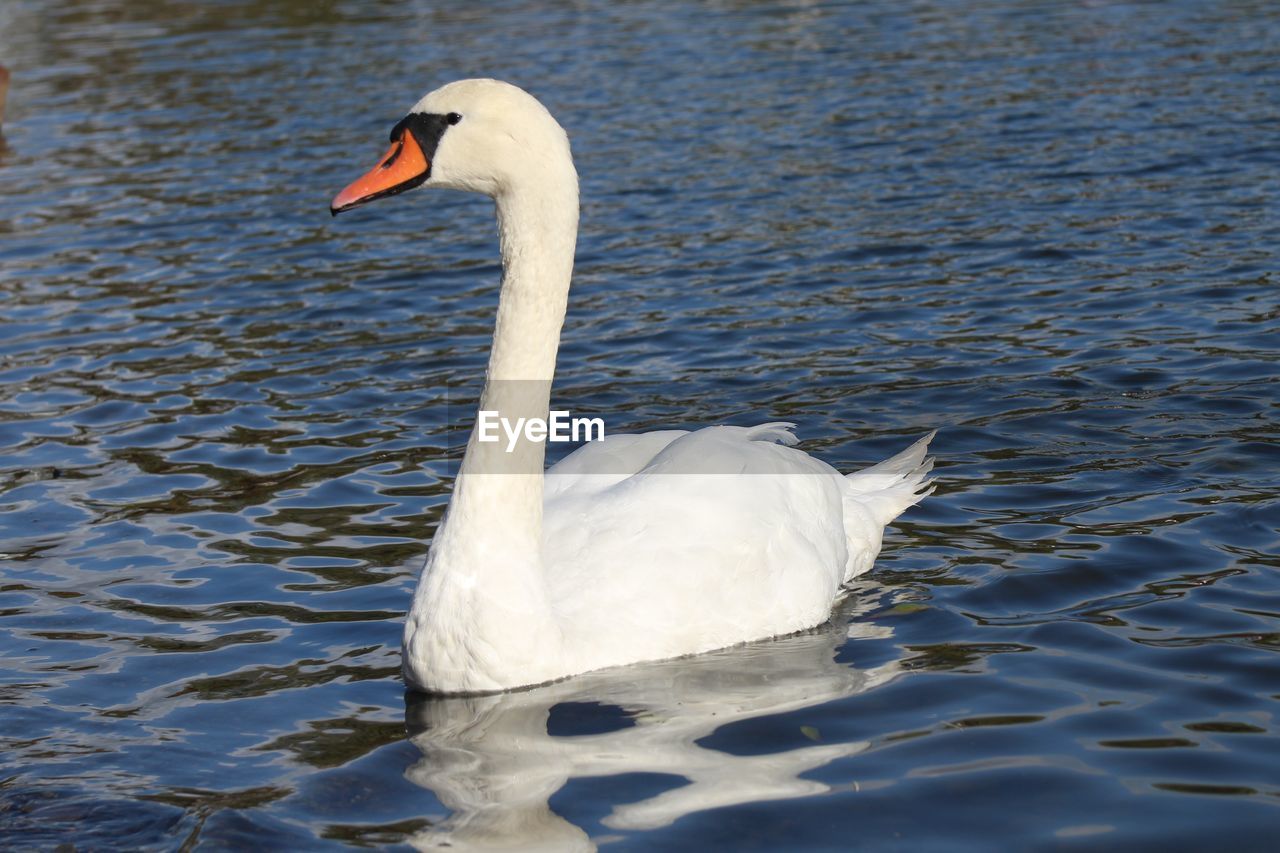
{"points": [[639, 547]]}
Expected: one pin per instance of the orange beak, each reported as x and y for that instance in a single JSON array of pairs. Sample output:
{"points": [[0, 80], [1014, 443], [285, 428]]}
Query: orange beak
{"points": [[403, 167]]}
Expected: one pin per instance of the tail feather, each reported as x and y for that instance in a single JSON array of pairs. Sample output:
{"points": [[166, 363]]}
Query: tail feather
{"points": [[877, 495], [889, 487]]}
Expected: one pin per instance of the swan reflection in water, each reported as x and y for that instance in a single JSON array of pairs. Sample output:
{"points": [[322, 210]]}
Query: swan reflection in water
{"points": [[494, 763]]}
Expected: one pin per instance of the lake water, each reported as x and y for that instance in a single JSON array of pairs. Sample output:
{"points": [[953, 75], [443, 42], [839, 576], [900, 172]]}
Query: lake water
{"points": [[1048, 230]]}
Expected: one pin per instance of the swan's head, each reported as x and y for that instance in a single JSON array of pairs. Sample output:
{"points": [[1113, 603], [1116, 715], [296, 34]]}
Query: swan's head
{"points": [[485, 136]]}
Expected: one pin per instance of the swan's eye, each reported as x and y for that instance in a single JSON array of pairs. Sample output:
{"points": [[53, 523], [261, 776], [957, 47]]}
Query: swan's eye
{"points": [[453, 118]]}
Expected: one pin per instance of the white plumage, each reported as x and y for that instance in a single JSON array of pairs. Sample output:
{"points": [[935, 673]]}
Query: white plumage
{"points": [[639, 547]]}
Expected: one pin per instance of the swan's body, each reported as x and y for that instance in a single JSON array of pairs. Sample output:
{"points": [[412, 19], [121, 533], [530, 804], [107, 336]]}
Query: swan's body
{"points": [[638, 547]]}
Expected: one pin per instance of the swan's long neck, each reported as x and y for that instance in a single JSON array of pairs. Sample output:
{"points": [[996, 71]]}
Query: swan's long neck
{"points": [[483, 581], [538, 231]]}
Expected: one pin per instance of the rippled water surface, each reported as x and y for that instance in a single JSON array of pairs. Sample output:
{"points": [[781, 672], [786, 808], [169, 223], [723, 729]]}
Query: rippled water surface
{"points": [[1047, 229]]}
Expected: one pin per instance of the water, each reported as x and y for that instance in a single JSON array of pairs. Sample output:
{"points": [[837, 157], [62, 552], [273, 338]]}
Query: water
{"points": [[1046, 229]]}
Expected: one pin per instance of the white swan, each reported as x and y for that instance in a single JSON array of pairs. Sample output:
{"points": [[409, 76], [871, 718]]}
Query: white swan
{"points": [[636, 548]]}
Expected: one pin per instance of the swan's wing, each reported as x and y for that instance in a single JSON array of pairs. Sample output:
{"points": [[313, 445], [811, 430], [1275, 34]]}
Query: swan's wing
{"points": [[599, 464], [721, 537], [724, 535], [758, 450]]}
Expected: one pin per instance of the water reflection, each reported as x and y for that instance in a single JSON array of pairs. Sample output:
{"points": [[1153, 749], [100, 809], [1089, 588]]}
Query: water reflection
{"points": [[496, 761]]}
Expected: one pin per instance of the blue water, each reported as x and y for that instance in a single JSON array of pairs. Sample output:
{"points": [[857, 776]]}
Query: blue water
{"points": [[1048, 230]]}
